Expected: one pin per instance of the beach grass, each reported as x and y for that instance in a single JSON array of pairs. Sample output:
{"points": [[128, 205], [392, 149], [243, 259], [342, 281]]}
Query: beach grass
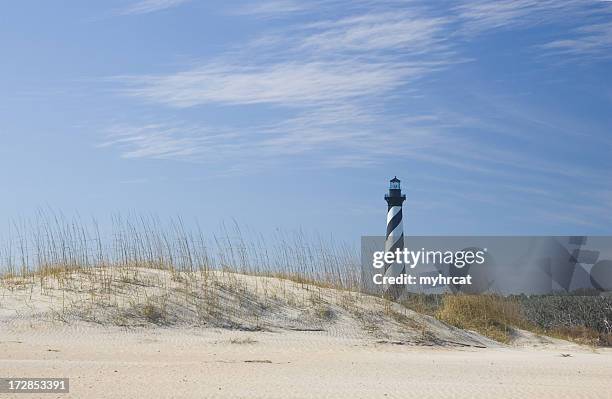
{"points": [[139, 271]]}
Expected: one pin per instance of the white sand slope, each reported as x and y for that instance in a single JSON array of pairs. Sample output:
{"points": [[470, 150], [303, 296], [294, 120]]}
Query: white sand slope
{"points": [[277, 340], [155, 298]]}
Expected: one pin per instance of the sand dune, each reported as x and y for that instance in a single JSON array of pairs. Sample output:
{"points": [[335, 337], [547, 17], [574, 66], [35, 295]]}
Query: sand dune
{"points": [[277, 339], [141, 297]]}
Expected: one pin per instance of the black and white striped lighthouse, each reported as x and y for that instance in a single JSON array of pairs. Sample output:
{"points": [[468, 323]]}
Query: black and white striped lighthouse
{"points": [[395, 233]]}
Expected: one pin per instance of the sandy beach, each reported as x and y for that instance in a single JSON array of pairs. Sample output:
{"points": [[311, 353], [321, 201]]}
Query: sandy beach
{"points": [[139, 335], [164, 363]]}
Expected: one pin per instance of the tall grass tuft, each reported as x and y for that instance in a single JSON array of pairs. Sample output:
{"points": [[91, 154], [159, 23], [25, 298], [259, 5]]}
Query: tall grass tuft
{"points": [[489, 315], [52, 244]]}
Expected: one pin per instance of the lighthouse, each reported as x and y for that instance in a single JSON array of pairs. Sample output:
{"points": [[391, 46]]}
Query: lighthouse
{"points": [[395, 233]]}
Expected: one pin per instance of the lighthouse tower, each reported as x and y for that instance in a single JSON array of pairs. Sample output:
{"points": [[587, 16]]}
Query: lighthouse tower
{"points": [[395, 233]]}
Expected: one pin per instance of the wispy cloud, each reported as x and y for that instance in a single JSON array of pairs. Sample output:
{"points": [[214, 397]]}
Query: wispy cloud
{"points": [[327, 74], [313, 63], [149, 6], [289, 84], [589, 36], [483, 15], [419, 33], [168, 141], [271, 8], [326, 85], [327, 136], [594, 41], [323, 75]]}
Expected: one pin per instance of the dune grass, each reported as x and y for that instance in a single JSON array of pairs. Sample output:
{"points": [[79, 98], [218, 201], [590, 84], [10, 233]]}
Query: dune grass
{"points": [[202, 277], [52, 244], [490, 315], [107, 275]]}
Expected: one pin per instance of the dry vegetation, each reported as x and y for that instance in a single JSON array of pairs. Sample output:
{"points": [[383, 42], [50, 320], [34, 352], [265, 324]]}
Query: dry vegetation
{"points": [[52, 244], [142, 272], [490, 315], [581, 319]]}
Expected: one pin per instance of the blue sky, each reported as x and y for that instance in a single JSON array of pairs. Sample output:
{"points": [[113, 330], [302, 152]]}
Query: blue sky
{"points": [[497, 116]]}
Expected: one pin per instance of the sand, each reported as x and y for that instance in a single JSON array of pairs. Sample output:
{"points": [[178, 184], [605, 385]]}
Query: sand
{"points": [[353, 347], [187, 363]]}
